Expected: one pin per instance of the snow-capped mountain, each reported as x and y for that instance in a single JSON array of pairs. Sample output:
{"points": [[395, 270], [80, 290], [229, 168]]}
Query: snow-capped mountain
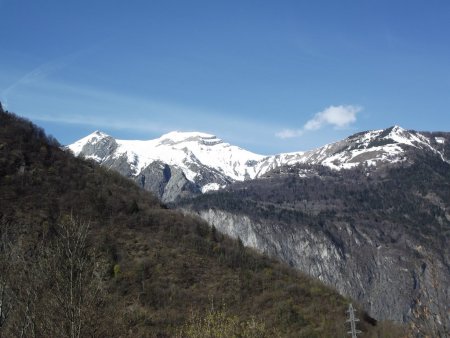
{"points": [[384, 146], [188, 151], [177, 163], [181, 163]]}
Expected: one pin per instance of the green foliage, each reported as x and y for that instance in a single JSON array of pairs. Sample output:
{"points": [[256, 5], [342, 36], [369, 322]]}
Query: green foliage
{"points": [[116, 270]]}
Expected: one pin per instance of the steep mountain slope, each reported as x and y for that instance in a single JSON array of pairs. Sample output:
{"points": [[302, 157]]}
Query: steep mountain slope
{"points": [[380, 236], [186, 164], [153, 266]]}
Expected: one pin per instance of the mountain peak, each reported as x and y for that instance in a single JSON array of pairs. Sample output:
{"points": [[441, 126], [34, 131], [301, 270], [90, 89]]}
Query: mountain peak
{"points": [[403, 136], [396, 127], [93, 138], [396, 130], [98, 133]]}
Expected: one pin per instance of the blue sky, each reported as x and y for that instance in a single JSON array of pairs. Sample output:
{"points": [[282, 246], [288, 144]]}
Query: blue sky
{"points": [[269, 76]]}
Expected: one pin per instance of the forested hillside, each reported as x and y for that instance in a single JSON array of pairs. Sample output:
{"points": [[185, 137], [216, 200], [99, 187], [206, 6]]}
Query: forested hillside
{"points": [[86, 252], [379, 235]]}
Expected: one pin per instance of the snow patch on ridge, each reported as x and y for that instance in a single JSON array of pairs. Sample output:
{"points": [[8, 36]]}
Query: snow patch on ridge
{"points": [[211, 187], [440, 140]]}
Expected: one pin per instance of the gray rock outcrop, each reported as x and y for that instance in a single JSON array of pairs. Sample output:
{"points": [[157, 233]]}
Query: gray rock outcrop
{"points": [[383, 278]]}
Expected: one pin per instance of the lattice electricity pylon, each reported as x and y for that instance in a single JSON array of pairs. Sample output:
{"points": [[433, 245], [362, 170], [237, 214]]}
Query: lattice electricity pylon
{"points": [[352, 320]]}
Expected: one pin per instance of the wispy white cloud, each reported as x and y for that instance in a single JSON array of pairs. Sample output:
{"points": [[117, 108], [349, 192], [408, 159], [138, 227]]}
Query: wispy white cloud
{"points": [[78, 104], [289, 133], [35, 75], [37, 95], [102, 122], [337, 116], [41, 72]]}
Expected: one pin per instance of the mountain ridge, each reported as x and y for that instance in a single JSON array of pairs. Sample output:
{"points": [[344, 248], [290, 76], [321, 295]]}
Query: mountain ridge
{"points": [[202, 162]]}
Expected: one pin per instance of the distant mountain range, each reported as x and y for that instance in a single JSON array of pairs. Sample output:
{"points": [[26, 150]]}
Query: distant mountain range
{"points": [[181, 164]]}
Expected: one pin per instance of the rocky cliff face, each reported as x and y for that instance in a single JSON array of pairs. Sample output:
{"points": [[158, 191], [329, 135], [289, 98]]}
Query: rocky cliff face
{"points": [[382, 277]]}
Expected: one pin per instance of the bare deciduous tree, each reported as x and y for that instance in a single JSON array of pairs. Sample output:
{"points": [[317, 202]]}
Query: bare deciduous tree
{"points": [[54, 289], [6, 296], [75, 280]]}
